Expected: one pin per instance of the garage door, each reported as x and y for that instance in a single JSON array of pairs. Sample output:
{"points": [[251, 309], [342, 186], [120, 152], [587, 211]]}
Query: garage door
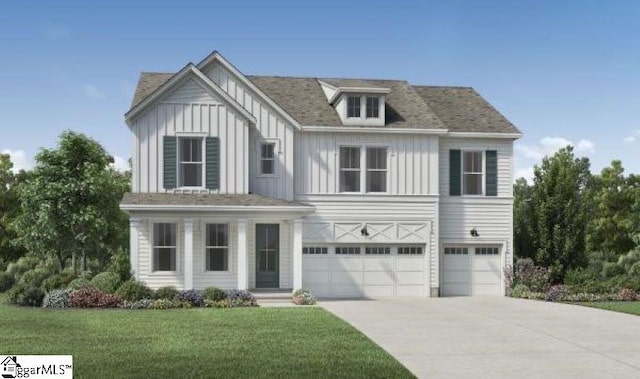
{"points": [[468, 271], [364, 271]]}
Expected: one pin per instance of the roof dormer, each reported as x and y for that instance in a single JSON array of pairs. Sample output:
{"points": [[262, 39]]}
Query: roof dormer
{"points": [[359, 104]]}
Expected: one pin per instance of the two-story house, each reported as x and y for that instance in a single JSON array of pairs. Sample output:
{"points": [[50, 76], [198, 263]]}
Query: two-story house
{"points": [[348, 187]]}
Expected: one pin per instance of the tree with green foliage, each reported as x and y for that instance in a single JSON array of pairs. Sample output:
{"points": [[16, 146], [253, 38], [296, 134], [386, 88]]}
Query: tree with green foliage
{"points": [[522, 217], [559, 217], [69, 206], [613, 222], [9, 209]]}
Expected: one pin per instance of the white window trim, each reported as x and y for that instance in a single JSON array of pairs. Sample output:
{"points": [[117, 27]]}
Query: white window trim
{"points": [[363, 169], [203, 229], [482, 174], [151, 229], [204, 162], [276, 153], [363, 119]]}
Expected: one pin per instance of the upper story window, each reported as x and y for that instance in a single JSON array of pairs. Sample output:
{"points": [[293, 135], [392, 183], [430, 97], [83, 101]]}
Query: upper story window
{"points": [[164, 247], [373, 107], [376, 169], [190, 169], [472, 173], [349, 169], [217, 248], [374, 175], [267, 158], [353, 106]]}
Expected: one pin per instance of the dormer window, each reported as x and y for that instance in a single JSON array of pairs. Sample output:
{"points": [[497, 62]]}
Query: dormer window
{"points": [[353, 106], [373, 107]]}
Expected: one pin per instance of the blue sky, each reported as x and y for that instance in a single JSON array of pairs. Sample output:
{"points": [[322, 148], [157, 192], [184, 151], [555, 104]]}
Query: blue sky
{"points": [[562, 71]]}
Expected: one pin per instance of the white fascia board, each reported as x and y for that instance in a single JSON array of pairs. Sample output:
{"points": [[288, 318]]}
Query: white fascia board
{"points": [[216, 56], [359, 90], [381, 130], [219, 208], [484, 135], [203, 80]]}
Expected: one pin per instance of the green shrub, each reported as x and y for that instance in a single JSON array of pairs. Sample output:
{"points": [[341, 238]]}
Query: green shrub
{"points": [[93, 298], [121, 265], [6, 281], [35, 277], [132, 290], [611, 269], [56, 298], [634, 270], [24, 295], [107, 281], [80, 283], [56, 281], [519, 290], [170, 304], [303, 296], [86, 275], [21, 266], [214, 294], [167, 293]]}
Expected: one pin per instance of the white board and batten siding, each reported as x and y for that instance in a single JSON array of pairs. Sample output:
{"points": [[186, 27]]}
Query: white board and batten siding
{"points": [[190, 110], [270, 126], [412, 161]]}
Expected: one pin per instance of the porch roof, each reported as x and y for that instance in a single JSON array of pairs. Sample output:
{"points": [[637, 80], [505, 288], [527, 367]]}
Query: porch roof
{"points": [[235, 202]]}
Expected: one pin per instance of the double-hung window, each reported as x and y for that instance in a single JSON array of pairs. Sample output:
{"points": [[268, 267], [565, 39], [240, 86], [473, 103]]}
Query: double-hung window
{"points": [[349, 169], [217, 248], [267, 158], [472, 172], [373, 107], [164, 247], [376, 169], [191, 162], [353, 106]]}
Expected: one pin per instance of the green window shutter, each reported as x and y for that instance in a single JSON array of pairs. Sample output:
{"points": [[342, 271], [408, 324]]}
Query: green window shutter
{"points": [[455, 167], [213, 163], [170, 148], [491, 178]]}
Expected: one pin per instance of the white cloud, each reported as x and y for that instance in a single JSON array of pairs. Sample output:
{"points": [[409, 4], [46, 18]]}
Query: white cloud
{"points": [[19, 159], [529, 155], [120, 164], [633, 137], [93, 92]]}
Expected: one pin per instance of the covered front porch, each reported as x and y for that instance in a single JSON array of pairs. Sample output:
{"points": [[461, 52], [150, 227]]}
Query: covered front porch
{"points": [[230, 246]]}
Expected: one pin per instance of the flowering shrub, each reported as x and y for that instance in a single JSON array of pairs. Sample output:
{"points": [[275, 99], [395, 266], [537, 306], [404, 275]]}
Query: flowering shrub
{"points": [[190, 296], [138, 304], [241, 298], [556, 293], [93, 298], [627, 294], [58, 298], [303, 296], [534, 277]]}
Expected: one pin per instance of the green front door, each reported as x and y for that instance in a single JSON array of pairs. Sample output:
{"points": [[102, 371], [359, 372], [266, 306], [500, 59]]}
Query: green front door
{"points": [[267, 255]]}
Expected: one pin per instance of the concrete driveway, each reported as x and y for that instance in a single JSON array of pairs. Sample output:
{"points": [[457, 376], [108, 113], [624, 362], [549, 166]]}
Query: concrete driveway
{"points": [[498, 337]]}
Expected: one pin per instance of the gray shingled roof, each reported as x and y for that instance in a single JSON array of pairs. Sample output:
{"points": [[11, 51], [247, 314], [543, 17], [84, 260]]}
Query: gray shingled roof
{"points": [[462, 109], [459, 109], [247, 200]]}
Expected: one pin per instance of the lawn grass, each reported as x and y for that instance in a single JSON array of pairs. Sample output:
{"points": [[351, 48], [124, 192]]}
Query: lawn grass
{"points": [[632, 307], [240, 342]]}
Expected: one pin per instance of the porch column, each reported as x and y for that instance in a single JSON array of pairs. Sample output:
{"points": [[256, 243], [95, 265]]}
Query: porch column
{"points": [[188, 253], [243, 269], [297, 254], [134, 224]]}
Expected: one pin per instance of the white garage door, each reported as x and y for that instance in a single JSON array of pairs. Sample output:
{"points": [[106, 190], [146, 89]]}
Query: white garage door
{"points": [[364, 271], [468, 271]]}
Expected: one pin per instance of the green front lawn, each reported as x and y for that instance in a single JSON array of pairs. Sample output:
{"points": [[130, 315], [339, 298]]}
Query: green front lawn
{"points": [[632, 307], [240, 342]]}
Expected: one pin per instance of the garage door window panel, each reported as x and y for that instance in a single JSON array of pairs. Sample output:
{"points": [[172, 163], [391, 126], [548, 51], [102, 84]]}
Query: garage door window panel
{"points": [[377, 250], [348, 250], [410, 250]]}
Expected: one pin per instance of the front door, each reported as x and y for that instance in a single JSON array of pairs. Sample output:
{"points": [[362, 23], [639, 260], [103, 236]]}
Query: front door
{"points": [[267, 255]]}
